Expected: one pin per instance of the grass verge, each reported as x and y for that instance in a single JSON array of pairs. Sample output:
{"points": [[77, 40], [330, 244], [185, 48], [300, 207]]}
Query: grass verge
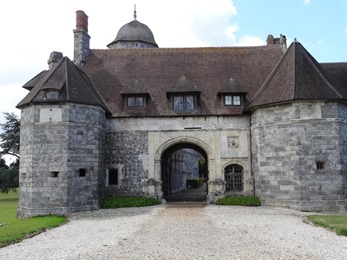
{"points": [[13, 229], [127, 202], [250, 201], [337, 223]]}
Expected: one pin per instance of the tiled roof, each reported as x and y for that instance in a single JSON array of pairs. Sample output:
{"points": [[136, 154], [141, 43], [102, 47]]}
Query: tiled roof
{"points": [[157, 70], [72, 83], [31, 83], [183, 84], [298, 76], [263, 74]]}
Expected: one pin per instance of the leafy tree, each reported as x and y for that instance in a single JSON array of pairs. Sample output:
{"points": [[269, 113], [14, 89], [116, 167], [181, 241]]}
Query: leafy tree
{"points": [[3, 164], [9, 177], [9, 144], [9, 138]]}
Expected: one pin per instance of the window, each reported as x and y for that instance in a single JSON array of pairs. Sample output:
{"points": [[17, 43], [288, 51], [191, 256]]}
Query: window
{"points": [[231, 100], [51, 95], [54, 174], [135, 101], [234, 177], [184, 102], [82, 172], [320, 165], [113, 177]]}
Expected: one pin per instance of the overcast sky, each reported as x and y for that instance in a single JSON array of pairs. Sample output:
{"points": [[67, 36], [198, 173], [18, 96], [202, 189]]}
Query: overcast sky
{"points": [[32, 29]]}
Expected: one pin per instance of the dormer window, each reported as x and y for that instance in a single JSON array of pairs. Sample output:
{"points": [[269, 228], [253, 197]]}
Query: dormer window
{"points": [[184, 102], [232, 94], [183, 95], [51, 95], [135, 95], [135, 101], [232, 100]]}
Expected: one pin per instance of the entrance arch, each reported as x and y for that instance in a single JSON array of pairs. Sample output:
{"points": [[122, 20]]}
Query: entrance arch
{"points": [[179, 147]]}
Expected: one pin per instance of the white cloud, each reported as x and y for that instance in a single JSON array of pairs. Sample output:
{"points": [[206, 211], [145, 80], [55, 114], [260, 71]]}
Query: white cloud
{"points": [[307, 2], [37, 28], [250, 40]]}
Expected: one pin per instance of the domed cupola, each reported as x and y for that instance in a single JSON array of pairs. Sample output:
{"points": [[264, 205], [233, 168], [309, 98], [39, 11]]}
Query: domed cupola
{"points": [[133, 35]]}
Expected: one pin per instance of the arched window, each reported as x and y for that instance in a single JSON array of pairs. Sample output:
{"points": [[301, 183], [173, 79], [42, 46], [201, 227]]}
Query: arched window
{"points": [[233, 177]]}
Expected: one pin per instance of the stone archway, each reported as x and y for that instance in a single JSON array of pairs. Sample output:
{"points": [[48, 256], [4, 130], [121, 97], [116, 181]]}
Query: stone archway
{"points": [[167, 176]]}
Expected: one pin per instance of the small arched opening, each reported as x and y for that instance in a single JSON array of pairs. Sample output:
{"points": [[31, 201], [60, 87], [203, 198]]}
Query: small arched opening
{"points": [[233, 174], [184, 173]]}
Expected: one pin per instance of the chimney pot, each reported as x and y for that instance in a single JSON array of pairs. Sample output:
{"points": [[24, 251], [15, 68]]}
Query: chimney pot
{"points": [[81, 21]]}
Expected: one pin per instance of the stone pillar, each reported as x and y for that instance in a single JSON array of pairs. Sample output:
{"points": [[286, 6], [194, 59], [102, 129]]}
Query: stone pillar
{"points": [[216, 189]]}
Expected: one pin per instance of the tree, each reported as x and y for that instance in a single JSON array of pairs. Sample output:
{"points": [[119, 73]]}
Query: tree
{"points": [[9, 176], [9, 144], [9, 138]]}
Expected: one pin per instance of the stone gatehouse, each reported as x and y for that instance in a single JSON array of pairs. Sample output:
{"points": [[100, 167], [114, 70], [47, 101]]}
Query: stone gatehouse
{"points": [[268, 121]]}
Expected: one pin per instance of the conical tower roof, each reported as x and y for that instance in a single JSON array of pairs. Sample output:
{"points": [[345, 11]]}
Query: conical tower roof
{"points": [[298, 76], [72, 84]]}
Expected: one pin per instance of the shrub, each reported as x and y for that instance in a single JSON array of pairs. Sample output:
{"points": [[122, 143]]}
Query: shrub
{"points": [[251, 201], [127, 202], [195, 182]]}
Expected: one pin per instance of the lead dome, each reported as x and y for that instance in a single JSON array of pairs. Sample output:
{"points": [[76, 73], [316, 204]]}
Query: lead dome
{"points": [[133, 35]]}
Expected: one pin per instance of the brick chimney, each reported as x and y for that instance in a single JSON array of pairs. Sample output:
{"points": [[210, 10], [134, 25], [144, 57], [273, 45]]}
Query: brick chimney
{"points": [[81, 39], [270, 40], [282, 41]]}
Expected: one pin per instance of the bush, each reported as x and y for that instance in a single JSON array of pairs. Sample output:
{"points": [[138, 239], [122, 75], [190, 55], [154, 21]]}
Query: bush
{"points": [[127, 202], [251, 201], [195, 182]]}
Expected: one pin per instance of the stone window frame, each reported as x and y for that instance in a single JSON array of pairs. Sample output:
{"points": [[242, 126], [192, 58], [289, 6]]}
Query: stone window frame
{"points": [[119, 168]]}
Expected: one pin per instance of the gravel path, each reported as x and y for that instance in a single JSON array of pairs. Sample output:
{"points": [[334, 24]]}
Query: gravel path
{"points": [[183, 231]]}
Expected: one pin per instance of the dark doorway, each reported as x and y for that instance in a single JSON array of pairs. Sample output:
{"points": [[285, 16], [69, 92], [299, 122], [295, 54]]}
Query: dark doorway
{"points": [[184, 173]]}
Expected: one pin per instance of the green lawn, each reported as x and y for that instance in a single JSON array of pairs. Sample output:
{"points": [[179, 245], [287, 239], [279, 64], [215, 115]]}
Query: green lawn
{"points": [[13, 229], [338, 223]]}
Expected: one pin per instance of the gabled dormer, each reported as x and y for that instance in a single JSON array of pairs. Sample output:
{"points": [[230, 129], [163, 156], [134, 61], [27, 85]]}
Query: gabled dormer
{"points": [[135, 95], [232, 94], [184, 95]]}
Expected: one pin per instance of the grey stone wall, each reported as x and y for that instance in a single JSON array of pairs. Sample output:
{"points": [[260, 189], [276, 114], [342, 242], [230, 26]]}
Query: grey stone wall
{"points": [[287, 142], [61, 159], [127, 148]]}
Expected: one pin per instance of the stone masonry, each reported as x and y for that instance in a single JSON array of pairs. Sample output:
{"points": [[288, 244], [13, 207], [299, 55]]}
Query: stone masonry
{"points": [[298, 157]]}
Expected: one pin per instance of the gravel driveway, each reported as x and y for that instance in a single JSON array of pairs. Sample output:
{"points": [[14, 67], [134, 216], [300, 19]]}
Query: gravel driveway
{"points": [[183, 231]]}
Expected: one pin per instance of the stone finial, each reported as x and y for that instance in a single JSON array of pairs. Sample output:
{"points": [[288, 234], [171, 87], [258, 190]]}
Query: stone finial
{"points": [[54, 57], [81, 21], [135, 16]]}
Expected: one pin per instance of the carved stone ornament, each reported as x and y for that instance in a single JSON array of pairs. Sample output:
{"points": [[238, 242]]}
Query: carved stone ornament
{"points": [[233, 142]]}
